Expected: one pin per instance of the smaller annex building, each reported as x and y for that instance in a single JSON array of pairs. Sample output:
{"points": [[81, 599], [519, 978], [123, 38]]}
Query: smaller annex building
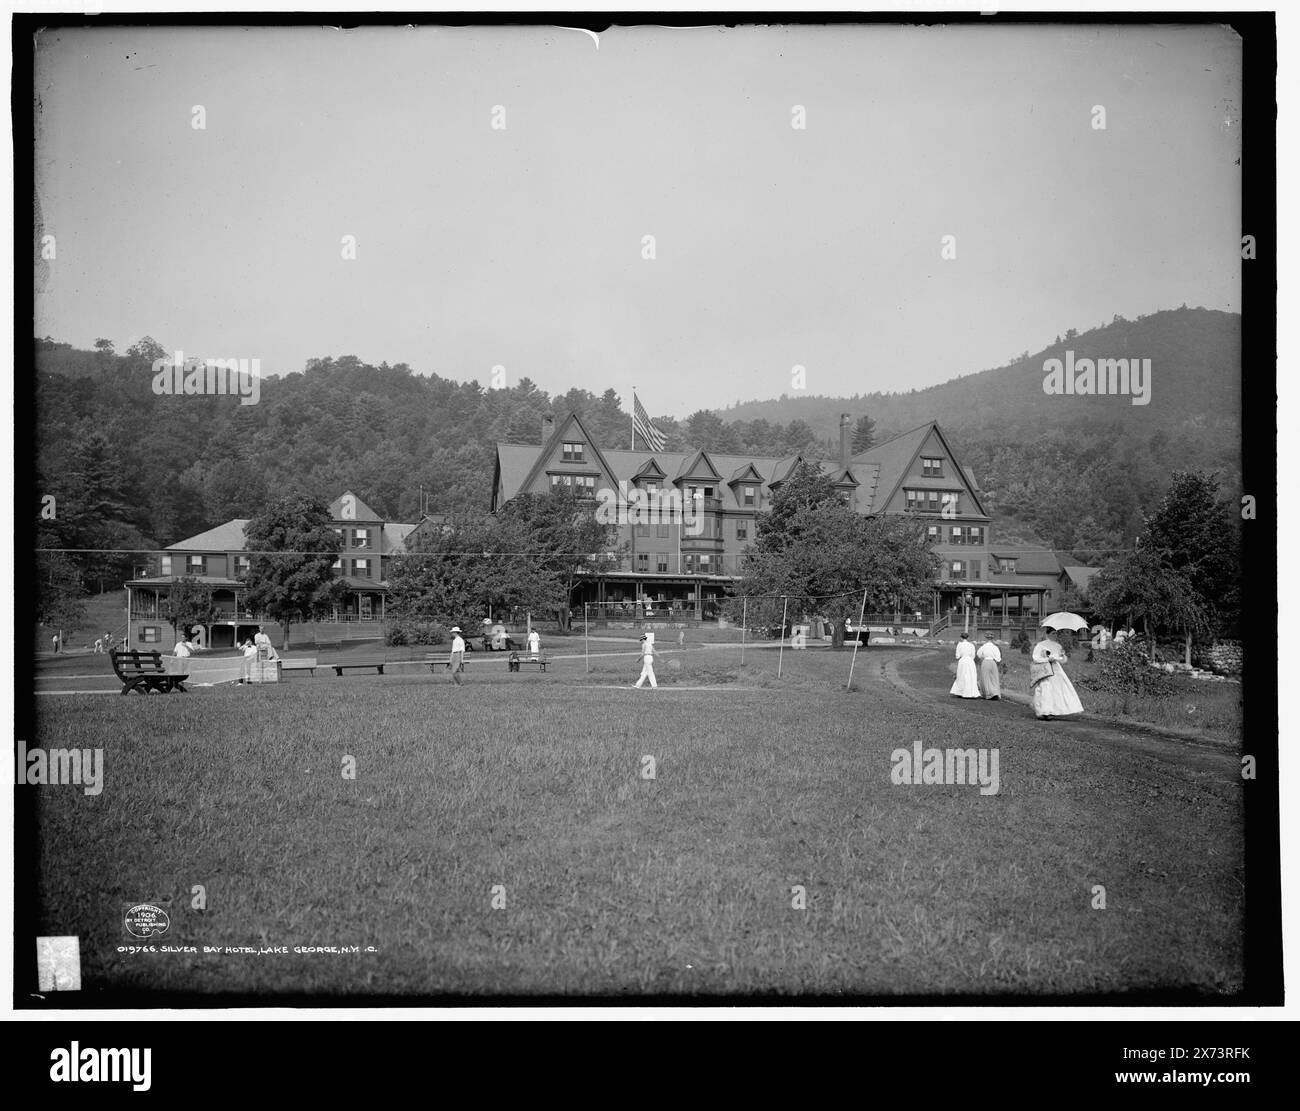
{"points": [[218, 558]]}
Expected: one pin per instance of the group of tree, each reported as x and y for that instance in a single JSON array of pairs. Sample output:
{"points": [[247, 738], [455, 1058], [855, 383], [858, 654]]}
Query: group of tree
{"points": [[813, 555], [527, 557], [1183, 575]]}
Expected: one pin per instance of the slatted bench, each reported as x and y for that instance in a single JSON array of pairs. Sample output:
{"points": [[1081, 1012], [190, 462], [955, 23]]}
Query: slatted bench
{"points": [[435, 660], [517, 662], [339, 668], [303, 663], [143, 672]]}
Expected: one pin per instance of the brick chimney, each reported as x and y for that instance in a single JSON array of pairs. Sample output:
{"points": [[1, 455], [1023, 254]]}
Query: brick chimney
{"points": [[548, 427], [846, 438]]}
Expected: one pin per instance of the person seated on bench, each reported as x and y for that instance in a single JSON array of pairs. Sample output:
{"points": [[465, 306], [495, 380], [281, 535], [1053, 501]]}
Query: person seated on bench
{"points": [[180, 653], [263, 641]]}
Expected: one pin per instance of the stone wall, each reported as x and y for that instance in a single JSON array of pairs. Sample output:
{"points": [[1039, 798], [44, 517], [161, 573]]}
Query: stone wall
{"points": [[1224, 657]]}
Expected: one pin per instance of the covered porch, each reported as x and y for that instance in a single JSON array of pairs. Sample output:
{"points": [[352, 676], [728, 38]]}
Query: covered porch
{"points": [[638, 596]]}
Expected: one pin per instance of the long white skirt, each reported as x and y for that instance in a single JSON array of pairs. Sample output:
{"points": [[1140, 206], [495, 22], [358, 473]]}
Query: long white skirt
{"points": [[967, 684], [990, 680], [1055, 696]]}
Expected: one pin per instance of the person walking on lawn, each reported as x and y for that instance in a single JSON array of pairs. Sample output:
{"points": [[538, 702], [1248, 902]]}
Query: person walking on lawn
{"points": [[457, 655], [647, 662]]}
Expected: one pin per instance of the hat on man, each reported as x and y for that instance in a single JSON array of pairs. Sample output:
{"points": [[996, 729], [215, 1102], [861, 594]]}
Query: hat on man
{"points": [[455, 628], [643, 636]]}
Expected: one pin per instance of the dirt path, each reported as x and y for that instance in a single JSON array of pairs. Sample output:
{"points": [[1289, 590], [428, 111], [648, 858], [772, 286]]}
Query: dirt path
{"points": [[923, 678]]}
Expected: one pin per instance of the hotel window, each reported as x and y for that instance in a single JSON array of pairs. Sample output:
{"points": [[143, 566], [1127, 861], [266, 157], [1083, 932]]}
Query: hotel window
{"points": [[149, 634], [241, 565], [932, 468], [742, 530], [361, 538], [974, 568], [165, 565], [661, 532], [643, 561], [586, 483], [342, 537], [706, 564], [749, 495], [573, 452], [932, 534], [927, 500], [958, 569], [361, 568], [1008, 565], [651, 488], [641, 530], [717, 528], [975, 534], [958, 534], [196, 565], [661, 562]]}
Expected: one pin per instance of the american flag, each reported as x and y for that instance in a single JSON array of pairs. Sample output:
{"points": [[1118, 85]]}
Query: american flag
{"points": [[641, 423]]}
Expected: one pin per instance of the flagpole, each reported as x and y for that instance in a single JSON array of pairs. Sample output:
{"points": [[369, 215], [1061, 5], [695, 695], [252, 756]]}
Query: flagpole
{"points": [[633, 447]]}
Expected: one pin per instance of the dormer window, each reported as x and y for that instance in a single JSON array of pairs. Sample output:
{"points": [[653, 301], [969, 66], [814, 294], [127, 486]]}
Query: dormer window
{"points": [[749, 496], [573, 452], [931, 468]]}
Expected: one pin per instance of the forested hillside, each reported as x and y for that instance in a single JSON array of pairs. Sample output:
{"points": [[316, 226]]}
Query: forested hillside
{"points": [[1070, 470], [129, 469]]}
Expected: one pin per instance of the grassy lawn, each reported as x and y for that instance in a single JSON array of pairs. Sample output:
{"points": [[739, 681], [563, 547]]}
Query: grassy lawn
{"points": [[615, 884]]}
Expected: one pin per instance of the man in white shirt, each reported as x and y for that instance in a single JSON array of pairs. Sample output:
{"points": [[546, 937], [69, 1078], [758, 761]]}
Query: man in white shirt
{"points": [[647, 662], [457, 654]]}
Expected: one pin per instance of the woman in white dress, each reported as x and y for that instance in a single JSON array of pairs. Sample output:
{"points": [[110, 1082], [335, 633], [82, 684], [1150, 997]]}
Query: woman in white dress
{"points": [[967, 685], [990, 656], [1053, 693]]}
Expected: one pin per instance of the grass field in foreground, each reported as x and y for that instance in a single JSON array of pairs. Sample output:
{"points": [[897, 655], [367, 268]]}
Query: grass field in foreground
{"points": [[617, 884]]}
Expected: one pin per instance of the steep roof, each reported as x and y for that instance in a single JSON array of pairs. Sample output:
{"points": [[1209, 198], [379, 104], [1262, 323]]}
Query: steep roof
{"points": [[878, 471], [395, 535], [1080, 576], [892, 458], [359, 511], [224, 538]]}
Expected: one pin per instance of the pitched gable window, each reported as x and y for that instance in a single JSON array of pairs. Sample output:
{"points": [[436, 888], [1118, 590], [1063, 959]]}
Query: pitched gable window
{"points": [[573, 452], [931, 468]]}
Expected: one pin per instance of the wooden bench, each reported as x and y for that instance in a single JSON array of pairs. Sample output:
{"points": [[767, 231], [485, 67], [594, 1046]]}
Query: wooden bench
{"points": [[303, 663], [517, 661], [339, 668], [435, 660], [143, 672]]}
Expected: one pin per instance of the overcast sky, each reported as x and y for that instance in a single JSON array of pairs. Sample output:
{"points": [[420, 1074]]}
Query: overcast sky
{"points": [[522, 247]]}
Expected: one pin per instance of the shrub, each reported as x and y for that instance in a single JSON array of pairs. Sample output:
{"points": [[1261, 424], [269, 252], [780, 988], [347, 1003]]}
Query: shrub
{"points": [[402, 633], [1125, 669], [1022, 642]]}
